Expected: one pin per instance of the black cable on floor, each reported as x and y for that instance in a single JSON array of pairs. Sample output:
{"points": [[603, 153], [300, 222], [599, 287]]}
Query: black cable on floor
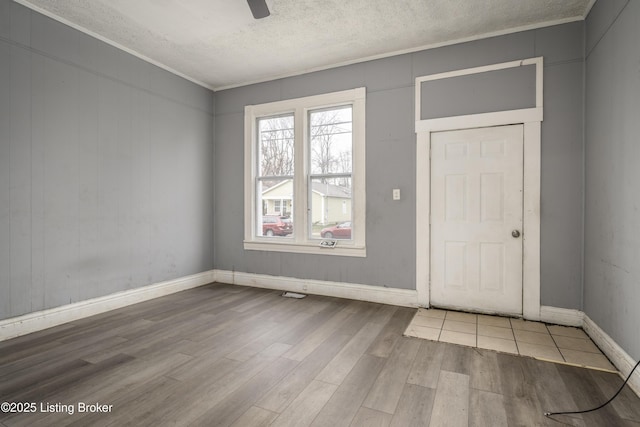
{"points": [[548, 414]]}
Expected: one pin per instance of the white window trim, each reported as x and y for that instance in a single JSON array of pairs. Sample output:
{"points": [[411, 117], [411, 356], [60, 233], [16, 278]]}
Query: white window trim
{"points": [[299, 107]]}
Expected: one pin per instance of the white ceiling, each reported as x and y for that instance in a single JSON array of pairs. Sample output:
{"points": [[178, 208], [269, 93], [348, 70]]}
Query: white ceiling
{"points": [[218, 44]]}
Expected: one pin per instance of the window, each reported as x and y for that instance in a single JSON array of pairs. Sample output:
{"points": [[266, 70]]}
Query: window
{"points": [[304, 164]]}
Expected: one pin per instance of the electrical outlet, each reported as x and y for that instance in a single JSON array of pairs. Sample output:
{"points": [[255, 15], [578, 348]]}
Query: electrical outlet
{"points": [[396, 194]]}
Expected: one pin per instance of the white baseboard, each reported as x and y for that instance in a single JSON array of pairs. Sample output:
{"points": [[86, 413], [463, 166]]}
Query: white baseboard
{"points": [[561, 316], [32, 322], [614, 352], [379, 294]]}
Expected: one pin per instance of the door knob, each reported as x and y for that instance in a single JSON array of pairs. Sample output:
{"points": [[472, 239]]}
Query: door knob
{"points": [[515, 233]]}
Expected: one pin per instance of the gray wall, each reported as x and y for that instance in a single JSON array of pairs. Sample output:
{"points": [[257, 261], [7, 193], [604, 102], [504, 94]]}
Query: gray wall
{"points": [[476, 93], [391, 151], [612, 179], [108, 174], [106, 163]]}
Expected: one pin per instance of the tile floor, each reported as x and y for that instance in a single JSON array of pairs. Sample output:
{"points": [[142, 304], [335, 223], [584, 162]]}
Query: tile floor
{"points": [[535, 339]]}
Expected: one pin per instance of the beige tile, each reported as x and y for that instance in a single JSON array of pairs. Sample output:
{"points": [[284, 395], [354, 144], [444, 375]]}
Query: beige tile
{"points": [[526, 325], [458, 338], [431, 322], [566, 331], [576, 344], [423, 332], [533, 338], [502, 322], [591, 360], [495, 331], [432, 312], [453, 325], [459, 316], [543, 352], [497, 344]]}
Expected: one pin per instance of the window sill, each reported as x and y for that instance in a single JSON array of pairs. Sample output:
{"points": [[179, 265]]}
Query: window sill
{"points": [[306, 248]]}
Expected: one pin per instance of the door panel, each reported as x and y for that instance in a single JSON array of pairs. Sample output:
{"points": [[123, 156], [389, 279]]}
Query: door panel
{"points": [[476, 203]]}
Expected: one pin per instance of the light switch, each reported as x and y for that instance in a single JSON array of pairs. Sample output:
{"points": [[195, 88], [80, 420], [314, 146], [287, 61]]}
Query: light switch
{"points": [[396, 194]]}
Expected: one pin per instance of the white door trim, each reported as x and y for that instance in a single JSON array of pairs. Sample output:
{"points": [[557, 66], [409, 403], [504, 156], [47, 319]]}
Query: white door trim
{"points": [[531, 118]]}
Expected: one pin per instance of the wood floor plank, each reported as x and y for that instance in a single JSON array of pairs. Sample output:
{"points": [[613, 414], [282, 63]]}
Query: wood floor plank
{"points": [[115, 381], [245, 371], [587, 395], [388, 387], [198, 396], [196, 303], [487, 409], [304, 408], [232, 407], [626, 403], [196, 367], [230, 339], [229, 301], [106, 330], [383, 313], [104, 386], [255, 346], [391, 333], [56, 354], [71, 376], [43, 391], [306, 327], [485, 374], [370, 313], [171, 328], [426, 367], [255, 417], [367, 417], [518, 386], [26, 348], [458, 359], [551, 390], [292, 384], [415, 407], [451, 402], [345, 360], [313, 304], [225, 325], [268, 296], [347, 400], [315, 338], [133, 404], [17, 384]]}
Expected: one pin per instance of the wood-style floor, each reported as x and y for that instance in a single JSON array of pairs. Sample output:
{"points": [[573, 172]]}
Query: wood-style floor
{"points": [[223, 355]]}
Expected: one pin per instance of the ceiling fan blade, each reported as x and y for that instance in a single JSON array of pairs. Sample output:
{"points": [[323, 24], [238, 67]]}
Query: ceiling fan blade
{"points": [[258, 8]]}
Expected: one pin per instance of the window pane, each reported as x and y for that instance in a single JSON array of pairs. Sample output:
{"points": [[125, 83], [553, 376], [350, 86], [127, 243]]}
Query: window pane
{"points": [[330, 140], [275, 142], [275, 199], [331, 211]]}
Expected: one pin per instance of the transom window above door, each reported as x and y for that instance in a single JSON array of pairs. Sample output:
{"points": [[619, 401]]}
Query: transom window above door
{"points": [[305, 174]]}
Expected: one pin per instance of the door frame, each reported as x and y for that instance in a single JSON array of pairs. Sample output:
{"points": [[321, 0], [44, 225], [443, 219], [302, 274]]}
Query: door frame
{"points": [[531, 119]]}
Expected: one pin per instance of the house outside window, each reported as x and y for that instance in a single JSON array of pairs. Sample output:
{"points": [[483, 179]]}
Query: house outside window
{"points": [[307, 152]]}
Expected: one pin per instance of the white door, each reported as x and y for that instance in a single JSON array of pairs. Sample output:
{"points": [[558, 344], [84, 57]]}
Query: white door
{"points": [[476, 219]]}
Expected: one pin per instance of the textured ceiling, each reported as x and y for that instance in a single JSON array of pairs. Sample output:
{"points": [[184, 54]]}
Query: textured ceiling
{"points": [[218, 44]]}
